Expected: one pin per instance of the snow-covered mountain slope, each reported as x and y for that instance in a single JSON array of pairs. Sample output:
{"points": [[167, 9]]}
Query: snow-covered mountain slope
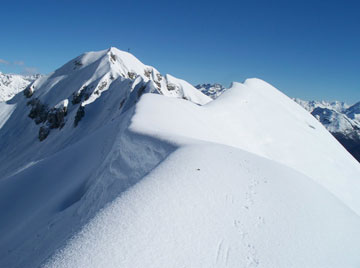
{"points": [[335, 116], [243, 211], [353, 112], [211, 90], [338, 117], [342, 120], [127, 179], [11, 84], [213, 205], [88, 76], [58, 102]]}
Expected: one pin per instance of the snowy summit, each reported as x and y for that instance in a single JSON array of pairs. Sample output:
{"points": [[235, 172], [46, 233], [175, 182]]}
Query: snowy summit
{"points": [[108, 163]]}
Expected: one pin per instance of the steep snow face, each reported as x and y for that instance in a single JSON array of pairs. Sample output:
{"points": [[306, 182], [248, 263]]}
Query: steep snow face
{"points": [[11, 84], [211, 90]]}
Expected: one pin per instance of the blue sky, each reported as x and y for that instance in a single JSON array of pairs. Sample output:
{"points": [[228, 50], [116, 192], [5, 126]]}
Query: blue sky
{"points": [[307, 49]]}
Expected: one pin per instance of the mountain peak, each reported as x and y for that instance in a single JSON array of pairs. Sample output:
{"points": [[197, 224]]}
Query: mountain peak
{"points": [[86, 78]]}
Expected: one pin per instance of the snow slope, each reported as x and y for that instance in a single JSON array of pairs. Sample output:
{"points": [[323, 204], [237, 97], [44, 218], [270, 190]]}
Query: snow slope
{"points": [[340, 119], [250, 113], [242, 211], [158, 180], [213, 205]]}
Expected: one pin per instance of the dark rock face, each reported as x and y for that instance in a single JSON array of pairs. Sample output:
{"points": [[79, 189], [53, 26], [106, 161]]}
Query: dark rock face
{"points": [[39, 112], [51, 118], [171, 87], [56, 117], [43, 132], [79, 96], [147, 73], [131, 75], [79, 115]]}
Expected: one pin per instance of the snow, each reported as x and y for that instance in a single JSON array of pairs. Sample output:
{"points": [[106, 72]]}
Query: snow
{"points": [[62, 104], [250, 114], [96, 71], [211, 205], [242, 211], [337, 117], [5, 112], [338, 106], [159, 176], [11, 84]]}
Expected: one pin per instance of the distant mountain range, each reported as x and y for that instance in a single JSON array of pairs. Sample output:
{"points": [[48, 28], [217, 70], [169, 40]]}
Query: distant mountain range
{"points": [[212, 90], [11, 84], [339, 118], [342, 120]]}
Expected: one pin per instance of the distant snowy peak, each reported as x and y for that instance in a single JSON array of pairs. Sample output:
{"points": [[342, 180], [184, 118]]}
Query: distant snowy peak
{"points": [[211, 90], [335, 116], [11, 84], [335, 121], [311, 105]]}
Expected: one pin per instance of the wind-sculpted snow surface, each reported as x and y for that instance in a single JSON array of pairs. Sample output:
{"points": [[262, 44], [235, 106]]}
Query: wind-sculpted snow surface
{"points": [[162, 180], [211, 204], [258, 118]]}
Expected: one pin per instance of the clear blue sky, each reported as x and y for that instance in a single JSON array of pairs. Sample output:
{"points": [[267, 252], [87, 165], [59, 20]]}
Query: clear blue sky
{"points": [[307, 49]]}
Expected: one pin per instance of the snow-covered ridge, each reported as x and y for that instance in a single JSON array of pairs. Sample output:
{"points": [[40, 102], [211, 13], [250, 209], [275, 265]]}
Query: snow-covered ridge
{"points": [[219, 214], [11, 84], [169, 179]]}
